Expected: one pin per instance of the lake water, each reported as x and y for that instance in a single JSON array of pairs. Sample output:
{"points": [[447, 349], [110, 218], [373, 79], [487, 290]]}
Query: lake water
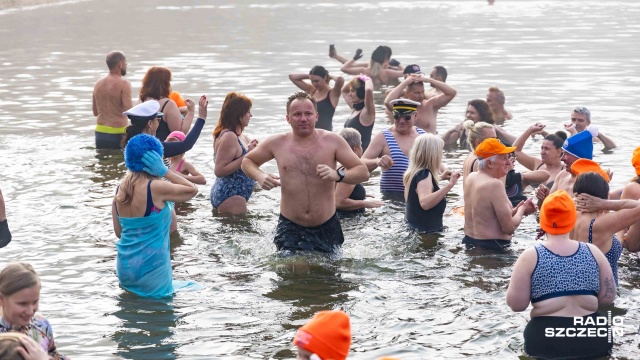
{"points": [[410, 296]]}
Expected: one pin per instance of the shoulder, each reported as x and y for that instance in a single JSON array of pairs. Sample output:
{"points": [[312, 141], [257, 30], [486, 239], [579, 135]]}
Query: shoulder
{"points": [[41, 323]]}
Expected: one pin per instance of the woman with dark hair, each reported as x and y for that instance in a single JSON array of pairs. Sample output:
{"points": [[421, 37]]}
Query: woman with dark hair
{"points": [[146, 118], [232, 188], [550, 152], [327, 97], [377, 69], [156, 85], [358, 93], [477, 111]]}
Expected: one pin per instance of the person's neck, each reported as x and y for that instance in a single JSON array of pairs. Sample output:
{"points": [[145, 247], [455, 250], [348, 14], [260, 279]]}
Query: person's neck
{"points": [[555, 238], [115, 73], [305, 140]]}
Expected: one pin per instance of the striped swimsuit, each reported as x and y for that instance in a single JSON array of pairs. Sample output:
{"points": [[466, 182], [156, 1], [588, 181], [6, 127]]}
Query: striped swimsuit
{"points": [[391, 179]]}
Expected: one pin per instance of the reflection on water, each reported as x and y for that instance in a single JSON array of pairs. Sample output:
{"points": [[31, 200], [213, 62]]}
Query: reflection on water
{"points": [[412, 296]]}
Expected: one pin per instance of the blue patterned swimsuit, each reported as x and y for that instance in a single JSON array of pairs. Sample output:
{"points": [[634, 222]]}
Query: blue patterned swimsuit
{"points": [[237, 183], [613, 255], [556, 275], [391, 180]]}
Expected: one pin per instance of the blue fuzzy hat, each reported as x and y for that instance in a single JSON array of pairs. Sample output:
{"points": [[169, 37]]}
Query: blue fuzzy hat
{"points": [[580, 145], [137, 147]]}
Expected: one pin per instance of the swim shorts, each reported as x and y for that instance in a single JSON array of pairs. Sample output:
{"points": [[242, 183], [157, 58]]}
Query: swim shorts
{"points": [[108, 137], [493, 244], [324, 238]]}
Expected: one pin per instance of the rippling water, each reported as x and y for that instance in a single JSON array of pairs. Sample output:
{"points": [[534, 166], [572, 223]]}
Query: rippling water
{"points": [[411, 296]]}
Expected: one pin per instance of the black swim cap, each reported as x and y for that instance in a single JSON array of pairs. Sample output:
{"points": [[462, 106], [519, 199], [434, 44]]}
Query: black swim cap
{"points": [[319, 71]]}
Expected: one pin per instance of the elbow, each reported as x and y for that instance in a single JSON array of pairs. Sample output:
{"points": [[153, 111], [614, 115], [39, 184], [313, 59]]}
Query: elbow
{"points": [[200, 180]]}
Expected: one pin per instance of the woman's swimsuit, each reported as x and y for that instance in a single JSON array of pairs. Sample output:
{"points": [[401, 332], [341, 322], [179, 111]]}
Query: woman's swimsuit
{"points": [[550, 183], [365, 131], [40, 331], [150, 207], [513, 187], [613, 255], [424, 220], [391, 180], [472, 164], [179, 167], [237, 183], [358, 193], [556, 275], [325, 113], [163, 128]]}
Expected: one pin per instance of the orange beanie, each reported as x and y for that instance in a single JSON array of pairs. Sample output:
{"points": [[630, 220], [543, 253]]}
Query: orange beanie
{"points": [[635, 160], [327, 335], [558, 213], [582, 166]]}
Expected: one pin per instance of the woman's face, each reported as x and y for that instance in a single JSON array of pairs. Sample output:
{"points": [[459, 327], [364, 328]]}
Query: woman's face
{"points": [[472, 114], [152, 126], [353, 96], [548, 152], [318, 82], [19, 308], [245, 118]]}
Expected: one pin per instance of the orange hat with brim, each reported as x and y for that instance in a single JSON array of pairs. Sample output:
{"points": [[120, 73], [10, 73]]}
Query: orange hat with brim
{"points": [[327, 335], [492, 146], [635, 160], [175, 96], [582, 166], [558, 213]]}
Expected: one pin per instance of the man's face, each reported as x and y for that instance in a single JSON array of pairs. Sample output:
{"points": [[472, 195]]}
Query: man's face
{"points": [[580, 121], [433, 75], [404, 121], [123, 70], [568, 160], [415, 92], [503, 163], [302, 117], [492, 100]]}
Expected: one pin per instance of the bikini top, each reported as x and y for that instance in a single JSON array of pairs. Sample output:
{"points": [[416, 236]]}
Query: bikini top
{"points": [[613, 255], [556, 275], [150, 207]]}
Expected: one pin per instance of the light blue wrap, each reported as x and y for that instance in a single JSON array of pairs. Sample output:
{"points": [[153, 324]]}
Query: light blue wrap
{"points": [[143, 261]]}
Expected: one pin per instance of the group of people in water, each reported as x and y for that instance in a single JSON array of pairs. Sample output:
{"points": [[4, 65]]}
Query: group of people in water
{"points": [[320, 176]]}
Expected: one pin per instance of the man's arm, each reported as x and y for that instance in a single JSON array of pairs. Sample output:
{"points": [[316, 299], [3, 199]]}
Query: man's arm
{"points": [[298, 80], [127, 102], [94, 105], [258, 156], [606, 141], [448, 93], [375, 152], [355, 170], [397, 91]]}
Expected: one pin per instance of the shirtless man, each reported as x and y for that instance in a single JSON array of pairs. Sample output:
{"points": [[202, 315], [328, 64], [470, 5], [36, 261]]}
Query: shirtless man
{"points": [[437, 73], [112, 97], [579, 146], [390, 148], [307, 161], [581, 121], [489, 219], [496, 100], [413, 89]]}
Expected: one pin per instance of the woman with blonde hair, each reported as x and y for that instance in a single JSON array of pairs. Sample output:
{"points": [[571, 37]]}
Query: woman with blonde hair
{"points": [[477, 133], [425, 200]]}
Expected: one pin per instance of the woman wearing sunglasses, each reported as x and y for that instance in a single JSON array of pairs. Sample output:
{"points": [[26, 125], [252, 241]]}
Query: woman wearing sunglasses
{"points": [[358, 93]]}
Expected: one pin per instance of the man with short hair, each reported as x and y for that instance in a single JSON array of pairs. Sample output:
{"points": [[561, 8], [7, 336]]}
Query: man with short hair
{"points": [[489, 218], [307, 161], [496, 100], [437, 73], [581, 121], [112, 97], [412, 88]]}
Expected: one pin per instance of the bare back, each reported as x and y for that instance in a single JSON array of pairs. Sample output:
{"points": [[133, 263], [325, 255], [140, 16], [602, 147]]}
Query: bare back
{"points": [[427, 116], [484, 200], [564, 181], [112, 97]]}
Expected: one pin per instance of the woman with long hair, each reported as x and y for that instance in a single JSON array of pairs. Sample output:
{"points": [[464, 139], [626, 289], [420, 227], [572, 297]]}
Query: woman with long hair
{"points": [[327, 97], [377, 69], [477, 133], [425, 200], [156, 85], [232, 188]]}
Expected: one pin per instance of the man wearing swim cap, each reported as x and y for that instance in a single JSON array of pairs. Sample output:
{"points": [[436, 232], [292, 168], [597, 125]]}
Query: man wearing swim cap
{"points": [[412, 88], [490, 220], [112, 97], [307, 164]]}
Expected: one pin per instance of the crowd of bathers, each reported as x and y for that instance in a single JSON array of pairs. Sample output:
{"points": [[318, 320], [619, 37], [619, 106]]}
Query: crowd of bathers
{"points": [[584, 224]]}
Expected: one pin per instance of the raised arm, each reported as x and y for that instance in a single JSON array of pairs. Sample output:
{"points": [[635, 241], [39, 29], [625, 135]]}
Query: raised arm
{"points": [[345, 95], [398, 91], [534, 177], [503, 135], [181, 147], [351, 68], [338, 82], [528, 161], [369, 116], [448, 93], [298, 80], [179, 189]]}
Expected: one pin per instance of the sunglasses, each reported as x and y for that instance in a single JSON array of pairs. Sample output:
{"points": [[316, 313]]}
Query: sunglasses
{"points": [[405, 116], [513, 156]]}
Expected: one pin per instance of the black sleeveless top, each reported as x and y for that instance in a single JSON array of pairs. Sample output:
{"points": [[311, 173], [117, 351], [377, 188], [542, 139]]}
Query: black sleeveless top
{"points": [[365, 131], [325, 114], [163, 127], [424, 220], [358, 193]]}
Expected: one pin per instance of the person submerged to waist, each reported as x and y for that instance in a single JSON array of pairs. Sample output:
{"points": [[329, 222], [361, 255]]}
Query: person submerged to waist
{"points": [[309, 218], [110, 129]]}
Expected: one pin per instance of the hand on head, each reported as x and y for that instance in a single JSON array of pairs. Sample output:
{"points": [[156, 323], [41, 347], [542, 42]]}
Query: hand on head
{"points": [[153, 164]]}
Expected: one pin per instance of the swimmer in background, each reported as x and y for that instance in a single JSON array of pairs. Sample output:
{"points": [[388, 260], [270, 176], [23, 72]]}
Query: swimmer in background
{"points": [[111, 98], [490, 221], [358, 94], [327, 97], [180, 166], [307, 164], [352, 198], [377, 69], [438, 73], [581, 121], [19, 302], [5, 234], [496, 100]]}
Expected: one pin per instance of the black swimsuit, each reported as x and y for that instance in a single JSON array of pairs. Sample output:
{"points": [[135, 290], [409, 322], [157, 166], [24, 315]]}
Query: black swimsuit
{"points": [[365, 131], [424, 220], [325, 114]]}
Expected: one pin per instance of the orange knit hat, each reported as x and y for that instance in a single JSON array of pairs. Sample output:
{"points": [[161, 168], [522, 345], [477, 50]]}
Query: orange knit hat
{"points": [[635, 160], [327, 335], [558, 213], [582, 166]]}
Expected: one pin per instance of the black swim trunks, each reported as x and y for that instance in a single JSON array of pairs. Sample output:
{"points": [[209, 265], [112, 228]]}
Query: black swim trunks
{"points": [[494, 244], [325, 238], [108, 141]]}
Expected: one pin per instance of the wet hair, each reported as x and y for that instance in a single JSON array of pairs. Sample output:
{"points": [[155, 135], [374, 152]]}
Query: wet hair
{"points": [[114, 58], [557, 138], [483, 110], [379, 55], [387, 52], [16, 277], [352, 136], [9, 345], [500, 99], [426, 153], [358, 86], [234, 107], [593, 184], [441, 72], [475, 131], [319, 71], [156, 84], [583, 110], [301, 95]]}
